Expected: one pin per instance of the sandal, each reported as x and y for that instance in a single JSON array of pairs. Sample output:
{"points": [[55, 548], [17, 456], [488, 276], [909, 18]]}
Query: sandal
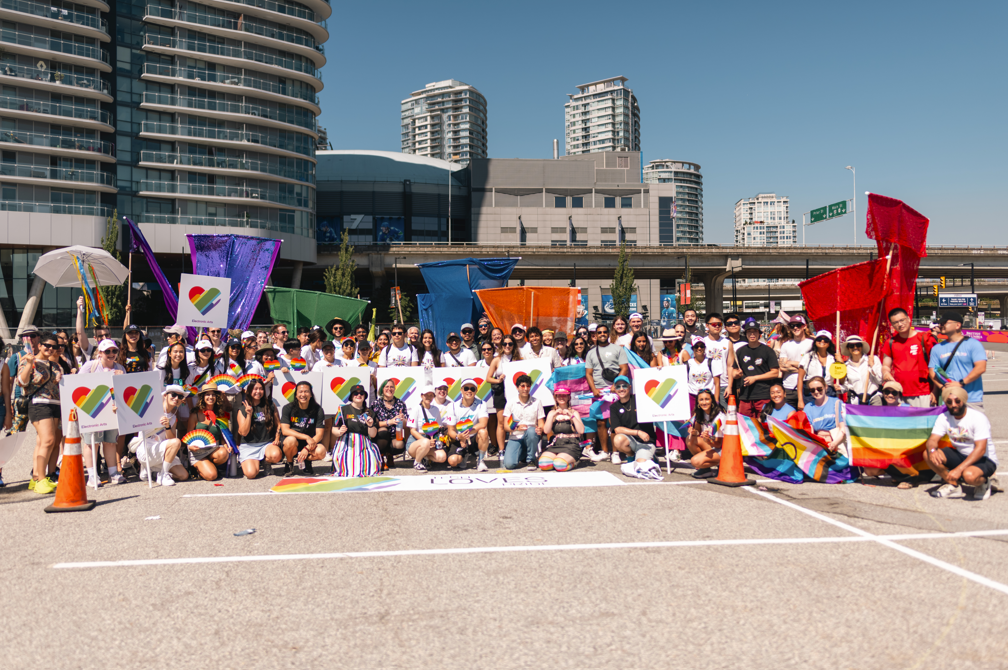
{"points": [[904, 485]]}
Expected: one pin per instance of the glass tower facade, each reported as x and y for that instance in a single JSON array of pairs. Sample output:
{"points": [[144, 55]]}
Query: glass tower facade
{"points": [[680, 218]]}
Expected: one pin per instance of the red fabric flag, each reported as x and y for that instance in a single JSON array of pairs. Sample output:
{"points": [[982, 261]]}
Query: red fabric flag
{"points": [[856, 291], [892, 221]]}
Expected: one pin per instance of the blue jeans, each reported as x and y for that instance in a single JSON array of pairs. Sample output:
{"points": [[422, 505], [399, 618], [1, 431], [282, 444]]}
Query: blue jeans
{"points": [[523, 449]]}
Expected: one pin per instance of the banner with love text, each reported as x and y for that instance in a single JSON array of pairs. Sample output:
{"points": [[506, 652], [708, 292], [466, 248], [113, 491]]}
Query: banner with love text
{"points": [[538, 369], [661, 393], [337, 382], [203, 301], [91, 396], [408, 381], [139, 407], [284, 384]]}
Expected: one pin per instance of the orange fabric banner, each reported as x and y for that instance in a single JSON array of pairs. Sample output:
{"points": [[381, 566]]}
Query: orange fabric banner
{"points": [[543, 306]]}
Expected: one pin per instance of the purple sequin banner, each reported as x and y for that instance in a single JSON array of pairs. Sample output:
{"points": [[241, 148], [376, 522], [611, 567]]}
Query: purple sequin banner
{"points": [[247, 261]]}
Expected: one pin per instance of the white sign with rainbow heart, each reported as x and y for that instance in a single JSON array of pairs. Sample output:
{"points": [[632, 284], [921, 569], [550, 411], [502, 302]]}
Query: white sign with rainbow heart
{"points": [[337, 382], [285, 383], [662, 394], [204, 301], [453, 378], [91, 396], [408, 381], [140, 406], [538, 369]]}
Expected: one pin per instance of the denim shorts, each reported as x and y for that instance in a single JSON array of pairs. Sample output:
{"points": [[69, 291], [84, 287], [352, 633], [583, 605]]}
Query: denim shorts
{"points": [[110, 435]]}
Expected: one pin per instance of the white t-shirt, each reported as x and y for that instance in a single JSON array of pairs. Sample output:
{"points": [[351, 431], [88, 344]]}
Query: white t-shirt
{"points": [[965, 432], [444, 409], [475, 412], [419, 416], [524, 413], [323, 364], [624, 340], [699, 376], [464, 356], [549, 353], [163, 357], [96, 366], [717, 354], [310, 355], [794, 352], [393, 356]]}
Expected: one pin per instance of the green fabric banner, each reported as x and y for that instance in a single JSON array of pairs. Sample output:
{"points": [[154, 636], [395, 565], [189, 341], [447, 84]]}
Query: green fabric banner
{"points": [[296, 308]]}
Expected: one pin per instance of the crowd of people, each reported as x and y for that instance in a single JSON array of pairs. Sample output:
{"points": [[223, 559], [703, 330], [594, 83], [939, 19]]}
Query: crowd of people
{"points": [[773, 370]]}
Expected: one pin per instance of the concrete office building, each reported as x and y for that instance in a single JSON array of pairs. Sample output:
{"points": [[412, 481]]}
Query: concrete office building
{"points": [[686, 211], [446, 120], [602, 116], [195, 117], [764, 221]]}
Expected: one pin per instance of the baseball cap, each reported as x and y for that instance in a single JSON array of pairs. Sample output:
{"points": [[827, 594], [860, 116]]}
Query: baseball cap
{"points": [[469, 381], [175, 388], [950, 316], [823, 333], [176, 330], [621, 378], [204, 344], [518, 326], [466, 325], [798, 318], [328, 344], [233, 343], [442, 384], [559, 335], [348, 340], [427, 388], [132, 328], [453, 336], [636, 315], [108, 344], [750, 323], [592, 327], [248, 334], [893, 385]]}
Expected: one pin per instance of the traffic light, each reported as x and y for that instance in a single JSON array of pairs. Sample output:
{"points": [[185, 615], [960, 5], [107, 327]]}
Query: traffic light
{"points": [[934, 289], [943, 282]]}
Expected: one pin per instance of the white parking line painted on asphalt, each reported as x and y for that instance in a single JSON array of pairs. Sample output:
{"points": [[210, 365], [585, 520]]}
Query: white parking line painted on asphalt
{"points": [[867, 537], [890, 541]]}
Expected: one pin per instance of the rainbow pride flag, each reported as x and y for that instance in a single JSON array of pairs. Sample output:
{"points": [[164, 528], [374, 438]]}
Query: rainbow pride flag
{"points": [[884, 436], [756, 440]]}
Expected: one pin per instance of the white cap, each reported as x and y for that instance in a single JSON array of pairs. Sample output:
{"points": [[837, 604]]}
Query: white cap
{"points": [[247, 334], [427, 388], [466, 325], [518, 325], [108, 344], [637, 315], [175, 388], [470, 381], [204, 344], [823, 333], [592, 327]]}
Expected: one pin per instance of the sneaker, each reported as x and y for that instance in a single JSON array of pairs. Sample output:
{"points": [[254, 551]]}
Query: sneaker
{"points": [[159, 476], [594, 456], [532, 466], [143, 473], [482, 467], [983, 491], [117, 478], [93, 482], [946, 491], [995, 484], [31, 482], [704, 473], [265, 468], [166, 479], [419, 466], [675, 455], [616, 458], [45, 486], [288, 469], [308, 469]]}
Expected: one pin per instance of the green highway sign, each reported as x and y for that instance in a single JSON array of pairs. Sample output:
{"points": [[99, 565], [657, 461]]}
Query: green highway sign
{"points": [[828, 212]]}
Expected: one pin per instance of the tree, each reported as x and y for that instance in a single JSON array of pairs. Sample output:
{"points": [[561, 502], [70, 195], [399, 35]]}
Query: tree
{"points": [[339, 279], [622, 287], [114, 297]]}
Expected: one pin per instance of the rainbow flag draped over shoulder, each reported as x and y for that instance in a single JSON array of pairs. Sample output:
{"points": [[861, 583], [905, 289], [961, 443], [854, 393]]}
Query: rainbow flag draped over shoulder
{"points": [[884, 436]]}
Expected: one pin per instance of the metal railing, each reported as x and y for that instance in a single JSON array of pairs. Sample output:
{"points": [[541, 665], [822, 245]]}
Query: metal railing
{"points": [[62, 174], [225, 135], [298, 117], [62, 78], [52, 44], [224, 163], [281, 8], [223, 191], [53, 208], [223, 222], [55, 109], [47, 11], [24, 139], [227, 51], [228, 79], [244, 24]]}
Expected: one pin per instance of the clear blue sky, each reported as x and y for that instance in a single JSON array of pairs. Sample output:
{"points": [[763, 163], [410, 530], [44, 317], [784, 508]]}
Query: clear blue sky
{"points": [[766, 97]]}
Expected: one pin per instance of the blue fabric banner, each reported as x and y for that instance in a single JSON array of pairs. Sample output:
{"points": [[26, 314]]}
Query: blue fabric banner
{"points": [[444, 313], [476, 273], [247, 261]]}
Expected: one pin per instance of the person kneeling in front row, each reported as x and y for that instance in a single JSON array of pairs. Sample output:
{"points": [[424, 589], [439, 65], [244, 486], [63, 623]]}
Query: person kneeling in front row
{"points": [[303, 426], [160, 449], [629, 436], [705, 436], [564, 450], [971, 459], [524, 417], [426, 429]]}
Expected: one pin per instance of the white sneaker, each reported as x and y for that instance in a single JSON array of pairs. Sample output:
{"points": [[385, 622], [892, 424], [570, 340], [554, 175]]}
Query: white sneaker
{"points": [[596, 457], [675, 455], [532, 466], [143, 473], [616, 458], [482, 467], [159, 476], [166, 479], [946, 491], [117, 478]]}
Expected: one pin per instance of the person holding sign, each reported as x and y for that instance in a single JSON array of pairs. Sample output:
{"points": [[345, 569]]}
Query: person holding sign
{"points": [[303, 428], [524, 417], [426, 430], [38, 377], [470, 417], [564, 450], [259, 428], [163, 445], [108, 353], [629, 436], [355, 455]]}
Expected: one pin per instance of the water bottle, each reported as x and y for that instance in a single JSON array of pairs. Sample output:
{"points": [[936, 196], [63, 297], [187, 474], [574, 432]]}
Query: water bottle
{"points": [[398, 430]]}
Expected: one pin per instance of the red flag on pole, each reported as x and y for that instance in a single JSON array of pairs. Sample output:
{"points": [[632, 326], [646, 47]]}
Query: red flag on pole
{"points": [[892, 221], [856, 291]]}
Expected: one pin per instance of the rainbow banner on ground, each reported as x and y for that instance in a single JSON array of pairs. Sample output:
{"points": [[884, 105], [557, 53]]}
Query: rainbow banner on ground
{"points": [[884, 436]]}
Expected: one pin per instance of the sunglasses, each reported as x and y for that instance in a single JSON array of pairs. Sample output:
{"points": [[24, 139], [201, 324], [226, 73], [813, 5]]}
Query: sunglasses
{"points": [[111, 352], [797, 327], [282, 332], [817, 389], [620, 387], [487, 349], [397, 333], [715, 324], [177, 396], [484, 325], [468, 330], [508, 344], [731, 323], [890, 392], [471, 389], [357, 393], [47, 346], [854, 346], [517, 331]]}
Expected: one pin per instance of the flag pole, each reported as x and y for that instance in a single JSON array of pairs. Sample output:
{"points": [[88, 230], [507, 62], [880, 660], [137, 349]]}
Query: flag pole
{"points": [[878, 323]]}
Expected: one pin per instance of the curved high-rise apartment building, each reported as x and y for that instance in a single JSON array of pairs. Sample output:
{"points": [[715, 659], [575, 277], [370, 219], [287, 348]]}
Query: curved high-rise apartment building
{"points": [[680, 218], [445, 119]]}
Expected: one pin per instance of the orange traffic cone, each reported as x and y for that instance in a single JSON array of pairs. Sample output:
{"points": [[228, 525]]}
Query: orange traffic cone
{"points": [[71, 492], [730, 472]]}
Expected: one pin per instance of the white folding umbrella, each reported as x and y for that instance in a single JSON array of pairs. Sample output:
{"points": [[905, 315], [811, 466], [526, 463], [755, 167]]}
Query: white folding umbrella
{"points": [[57, 267]]}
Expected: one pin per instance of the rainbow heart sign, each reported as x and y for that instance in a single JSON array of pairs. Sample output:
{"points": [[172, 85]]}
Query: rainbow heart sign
{"points": [[661, 394], [288, 389], [483, 389], [138, 401], [337, 382], [92, 400], [90, 397], [408, 382], [206, 301], [538, 369], [284, 385]]}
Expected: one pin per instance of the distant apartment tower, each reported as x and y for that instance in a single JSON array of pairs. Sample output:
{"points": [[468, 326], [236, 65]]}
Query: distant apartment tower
{"points": [[680, 218], [764, 221], [602, 116], [446, 120]]}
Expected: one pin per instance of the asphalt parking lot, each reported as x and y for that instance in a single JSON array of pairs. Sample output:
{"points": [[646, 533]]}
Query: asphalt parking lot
{"points": [[673, 574]]}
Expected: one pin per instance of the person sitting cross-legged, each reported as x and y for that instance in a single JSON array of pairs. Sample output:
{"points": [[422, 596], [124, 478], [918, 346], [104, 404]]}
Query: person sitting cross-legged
{"points": [[524, 419], [564, 450], [972, 458]]}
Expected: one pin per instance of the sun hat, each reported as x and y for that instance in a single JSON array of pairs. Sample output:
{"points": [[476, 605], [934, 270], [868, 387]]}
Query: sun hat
{"points": [[893, 385], [209, 386]]}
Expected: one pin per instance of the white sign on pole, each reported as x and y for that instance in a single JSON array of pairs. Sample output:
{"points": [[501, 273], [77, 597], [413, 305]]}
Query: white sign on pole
{"points": [[337, 382], [203, 301], [408, 380], [91, 396], [284, 384], [139, 407], [661, 393], [538, 369]]}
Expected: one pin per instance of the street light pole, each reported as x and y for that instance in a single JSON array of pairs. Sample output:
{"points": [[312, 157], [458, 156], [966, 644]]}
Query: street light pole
{"points": [[854, 202]]}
